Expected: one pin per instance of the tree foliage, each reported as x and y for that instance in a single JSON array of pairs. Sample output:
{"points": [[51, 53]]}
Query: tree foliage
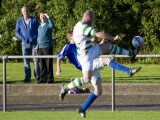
{"points": [[125, 17]]}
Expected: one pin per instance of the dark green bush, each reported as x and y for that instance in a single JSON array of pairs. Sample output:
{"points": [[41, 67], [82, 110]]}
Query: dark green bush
{"points": [[125, 17]]}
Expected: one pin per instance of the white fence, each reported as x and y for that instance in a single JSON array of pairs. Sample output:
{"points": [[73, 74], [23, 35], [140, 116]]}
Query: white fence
{"points": [[5, 58]]}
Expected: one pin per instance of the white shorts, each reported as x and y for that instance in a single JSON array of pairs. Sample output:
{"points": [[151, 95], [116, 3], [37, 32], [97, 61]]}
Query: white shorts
{"points": [[97, 67], [87, 60], [92, 62]]}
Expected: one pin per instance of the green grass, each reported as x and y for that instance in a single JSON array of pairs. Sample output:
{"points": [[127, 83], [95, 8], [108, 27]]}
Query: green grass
{"points": [[148, 74], [91, 115]]}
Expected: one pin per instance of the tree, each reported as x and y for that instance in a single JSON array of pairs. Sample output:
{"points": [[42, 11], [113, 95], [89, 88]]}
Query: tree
{"points": [[125, 17]]}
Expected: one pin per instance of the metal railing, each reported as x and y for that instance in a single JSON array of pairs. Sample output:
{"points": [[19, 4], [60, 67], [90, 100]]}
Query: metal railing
{"points": [[5, 58]]}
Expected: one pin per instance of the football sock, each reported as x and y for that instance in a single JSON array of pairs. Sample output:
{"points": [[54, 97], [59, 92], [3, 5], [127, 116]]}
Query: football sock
{"points": [[75, 83], [119, 67], [119, 51], [89, 101]]}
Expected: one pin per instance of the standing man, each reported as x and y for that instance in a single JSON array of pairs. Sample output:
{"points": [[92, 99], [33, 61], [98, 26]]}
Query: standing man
{"points": [[27, 32], [45, 47]]}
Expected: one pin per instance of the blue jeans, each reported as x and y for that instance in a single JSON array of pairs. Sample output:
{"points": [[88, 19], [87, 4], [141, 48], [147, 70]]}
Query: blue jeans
{"points": [[28, 49]]}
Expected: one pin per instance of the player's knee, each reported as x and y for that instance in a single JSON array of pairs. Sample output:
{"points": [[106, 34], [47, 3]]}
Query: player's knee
{"points": [[105, 47], [106, 61], [87, 80], [98, 91]]}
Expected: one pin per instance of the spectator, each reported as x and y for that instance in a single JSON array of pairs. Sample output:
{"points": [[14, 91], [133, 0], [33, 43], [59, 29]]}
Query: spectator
{"points": [[44, 47], [27, 32]]}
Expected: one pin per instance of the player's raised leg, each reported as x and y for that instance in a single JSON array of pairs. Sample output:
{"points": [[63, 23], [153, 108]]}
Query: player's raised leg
{"points": [[112, 49], [116, 66]]}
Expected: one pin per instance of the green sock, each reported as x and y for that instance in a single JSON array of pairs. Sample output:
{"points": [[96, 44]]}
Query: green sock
{"points": [[75, 83], [118, 51]]}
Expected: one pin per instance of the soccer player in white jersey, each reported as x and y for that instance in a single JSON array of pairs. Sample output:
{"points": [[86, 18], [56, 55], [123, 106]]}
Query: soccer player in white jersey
{"points": [[87, 53]]}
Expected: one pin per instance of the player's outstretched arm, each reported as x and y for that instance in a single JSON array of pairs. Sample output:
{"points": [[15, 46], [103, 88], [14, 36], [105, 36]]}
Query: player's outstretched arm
{"points": [[107, 36], [58, 72]]}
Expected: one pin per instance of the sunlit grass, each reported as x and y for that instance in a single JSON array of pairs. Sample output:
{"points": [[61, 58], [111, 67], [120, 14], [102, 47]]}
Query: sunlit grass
{"points": [[72, 115], [149, 73]]}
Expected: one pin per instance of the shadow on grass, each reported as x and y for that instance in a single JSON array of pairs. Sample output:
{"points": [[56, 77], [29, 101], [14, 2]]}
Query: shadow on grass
{"points": [[67, 80], [12, 81], [33, 81]]}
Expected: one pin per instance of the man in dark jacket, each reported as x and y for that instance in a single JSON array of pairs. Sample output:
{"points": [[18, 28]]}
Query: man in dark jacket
{"points": [[27, 32]]}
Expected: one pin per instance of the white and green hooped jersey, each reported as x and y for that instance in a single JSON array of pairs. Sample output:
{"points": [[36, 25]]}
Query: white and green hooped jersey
{"points": [[82, 37]]}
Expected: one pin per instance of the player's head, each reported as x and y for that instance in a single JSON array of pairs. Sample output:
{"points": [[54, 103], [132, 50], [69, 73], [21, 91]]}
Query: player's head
{"points": [[70, 37], [88, 17], [25, 11]]}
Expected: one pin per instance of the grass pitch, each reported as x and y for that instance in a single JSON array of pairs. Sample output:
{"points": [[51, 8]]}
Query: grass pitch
{"points": [[148, 74], [91, 115]]}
